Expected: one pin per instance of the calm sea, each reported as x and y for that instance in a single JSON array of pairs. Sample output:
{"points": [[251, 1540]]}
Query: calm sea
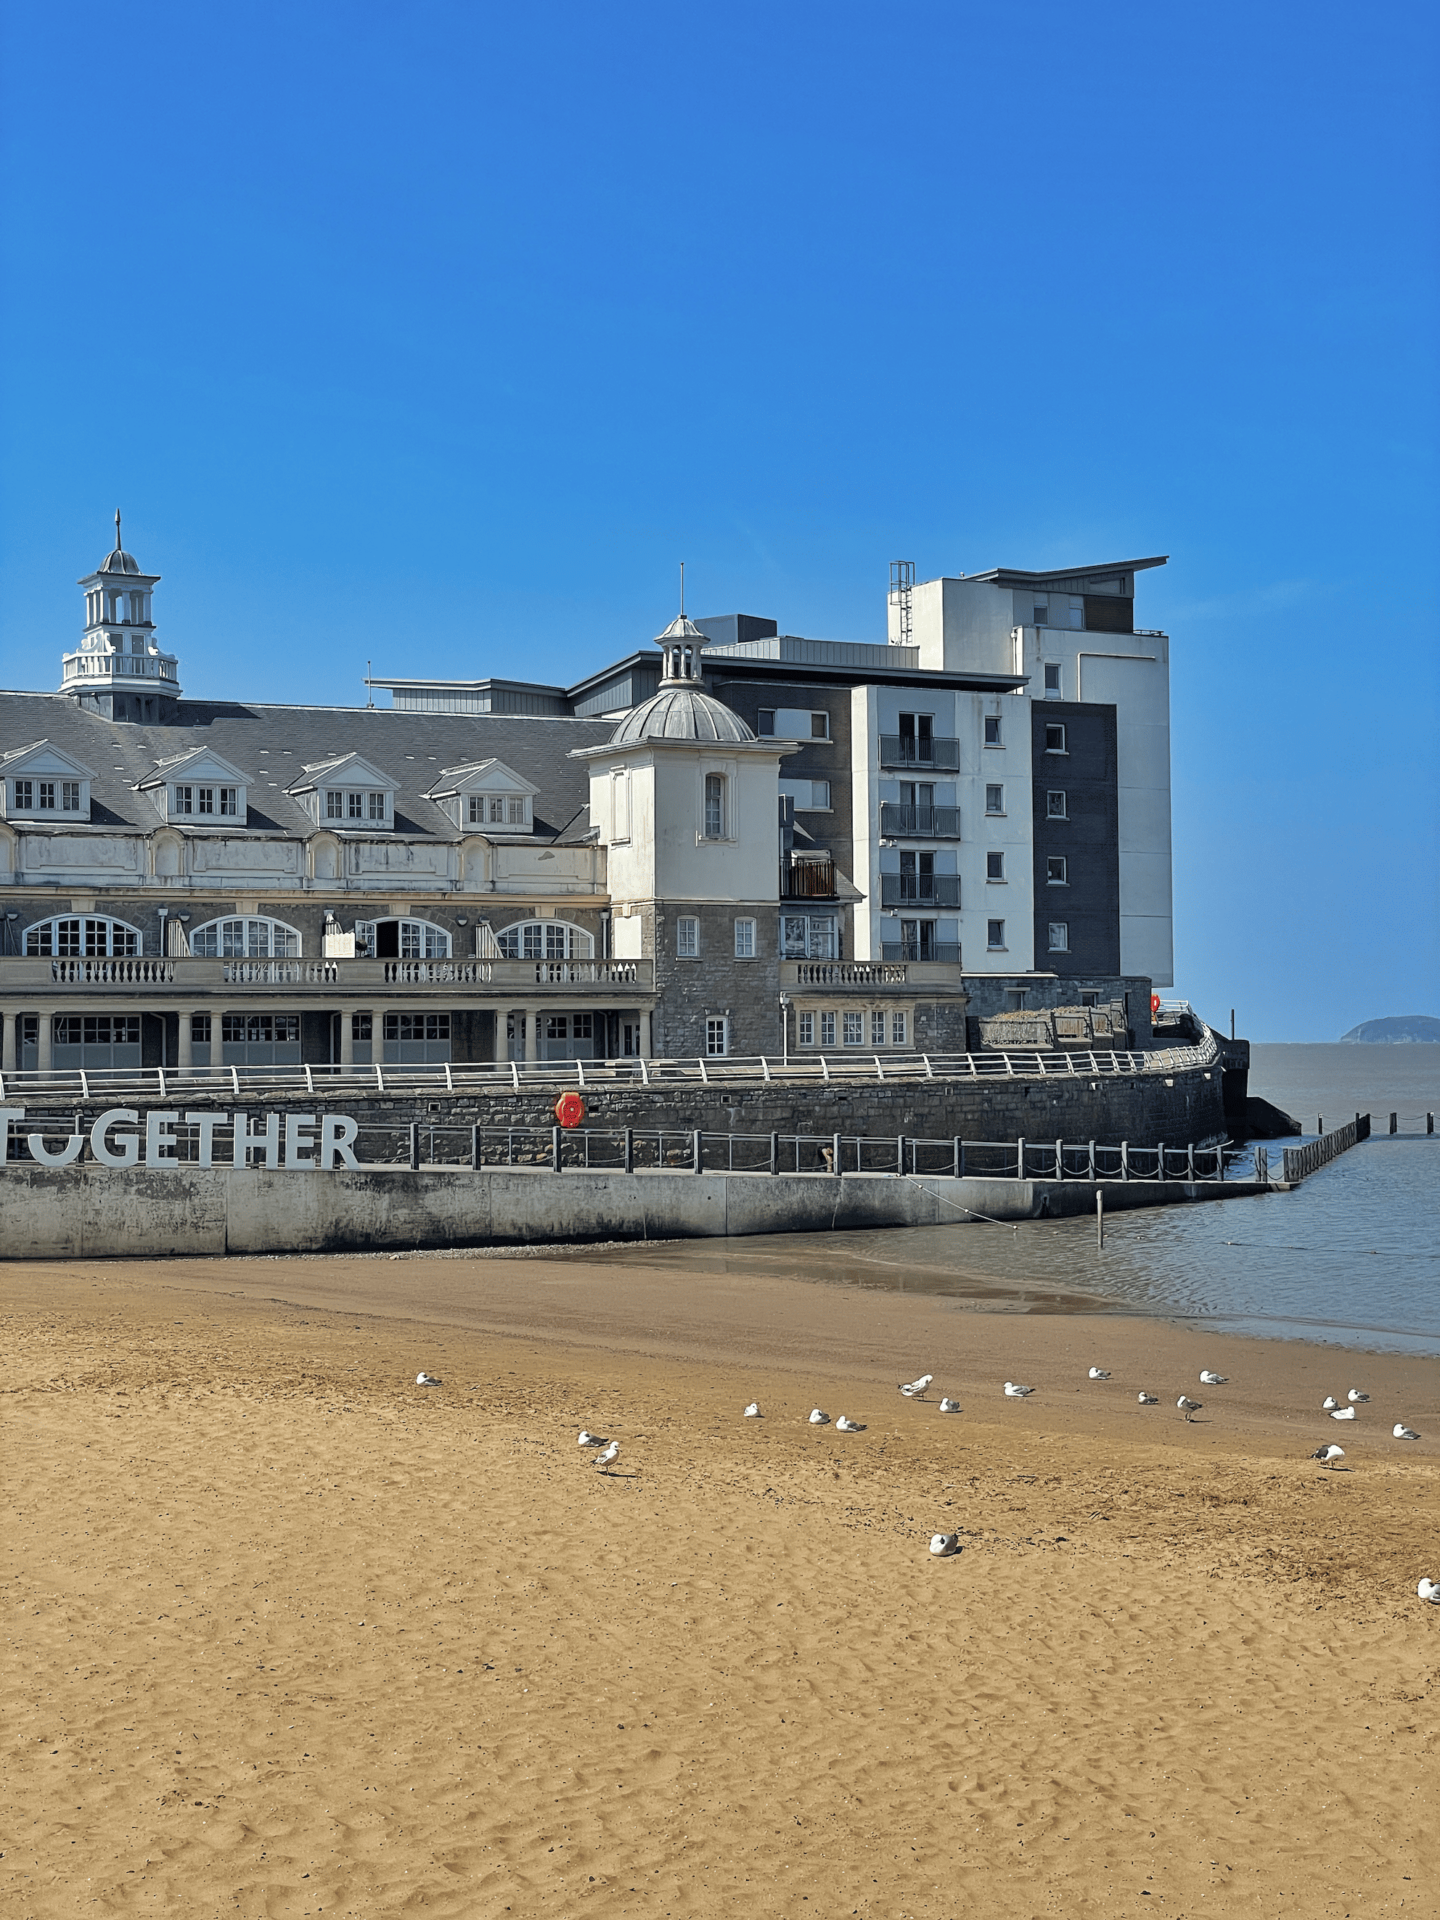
{"points": [[1351, 1257]]}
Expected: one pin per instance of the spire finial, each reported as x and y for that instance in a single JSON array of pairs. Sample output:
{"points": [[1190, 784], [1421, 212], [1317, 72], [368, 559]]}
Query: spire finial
{"points": [[117, 529], [682, 589]]}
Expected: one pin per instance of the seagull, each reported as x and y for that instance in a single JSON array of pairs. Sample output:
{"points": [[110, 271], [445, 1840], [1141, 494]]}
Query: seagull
{"points": [[1427, 1589], [752, 1412], [604, 1461], [819, 1417], [1099, 1373], [426, 1380], [949, 1406], [1327, 1456], [1012, 1392], [1187, 1407], [942, 1545], [915, 1389], [1148, 1399], [1405, 1433], [1329, 1403], [1208, 1379], [1355, 1397], [846, 1425], [591, 1439], [1343, 1413]]}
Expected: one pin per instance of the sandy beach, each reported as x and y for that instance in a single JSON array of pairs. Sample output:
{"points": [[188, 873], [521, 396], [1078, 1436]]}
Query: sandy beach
{"points": [[289, 1635]]}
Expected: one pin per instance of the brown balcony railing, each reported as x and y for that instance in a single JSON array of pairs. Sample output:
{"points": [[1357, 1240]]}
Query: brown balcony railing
{"points": [[807, 880]]}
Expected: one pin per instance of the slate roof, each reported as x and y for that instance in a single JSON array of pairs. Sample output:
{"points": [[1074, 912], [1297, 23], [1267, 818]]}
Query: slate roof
{"points": [[273, 743]]}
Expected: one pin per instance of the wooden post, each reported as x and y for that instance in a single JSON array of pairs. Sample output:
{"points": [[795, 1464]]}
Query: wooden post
{"points": [[1160, 1161], [774, 1153], [1020, 1158], [474, 1147], [900, 1155], [414, 1146], [1124, 1159], [555, 1149], [629, 1149], [1394, 1123], [1059, 1159], [697, 1152], [956, 1157], [836, 1168], [1100, 1216], [1092, 1159], [1190, 1163], [1320, 1124]]}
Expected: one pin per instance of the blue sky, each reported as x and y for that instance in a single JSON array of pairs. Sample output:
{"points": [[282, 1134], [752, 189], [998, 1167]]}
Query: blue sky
{"points": [[437, 334]]}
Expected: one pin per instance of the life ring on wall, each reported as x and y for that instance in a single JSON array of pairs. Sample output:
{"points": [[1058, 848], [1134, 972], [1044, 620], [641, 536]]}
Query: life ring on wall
{"points": [[1154, 1005], [570, 1109]]}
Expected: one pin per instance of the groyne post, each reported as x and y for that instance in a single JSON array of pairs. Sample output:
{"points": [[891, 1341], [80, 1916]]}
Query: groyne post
{"points": [[629, 1149], [1059, 1159], [774, 1153], [1100, 1216], [836, 1167], [697, 1151], [414, 1146], [555, 1162], [1124, 1159], [900, 1155], [474, 1148], [957, 1157], [1092, 1160], [1394, 1123], [1020, 1158]]}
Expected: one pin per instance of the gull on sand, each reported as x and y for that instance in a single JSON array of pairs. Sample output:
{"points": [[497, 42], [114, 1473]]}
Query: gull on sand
{"points": [[426, 1380], [1355, 1397], [1327, 1456], [1208, 1379], [604, 1461], [1187, 1407], [949, 1406], [588, 1439], [915, 1389], [819, 1417], [846, 1425], [1427, 1589], [752, 1412], [942, 1545], [1404, 1433], [1329, 1403], [1148, 1399], [1099, 1373], [1343, 1413], [1014, 1392]]}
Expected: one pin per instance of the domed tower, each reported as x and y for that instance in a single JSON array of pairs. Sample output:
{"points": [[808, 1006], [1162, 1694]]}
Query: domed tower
{"points": [[118, 670]]}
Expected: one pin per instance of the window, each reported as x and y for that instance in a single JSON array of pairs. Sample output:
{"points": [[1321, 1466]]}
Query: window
{"points": [[917, 940], [361, 1027], [82, 938], [1076, 611], [355, 806], [1089, 997], [1052, 677], [515, 811], [994, 866], [1055, 808], [1042, 613], [497, 810], [994, 799], [1055, 870], [992, 730], [96, 1040], [377, 806], [475, 810], [714, 806], [765, 723], [545, 940], [808, 795], [808, 937], [1015, 999], [259, 1039], [899, 1024], [417, 1036], [717, 1035], [917, 738], [1054, 737], [47, 796], [827, 1029], [687, 937], [805, 1029], [250, 939], [334, 805], [620, 804], [853, 1029], [744, 939], [877, 1029], [995, 933], [205, 800], [24, 795], [1059, 936], [230, 801], [184, 799], [819, 726]]}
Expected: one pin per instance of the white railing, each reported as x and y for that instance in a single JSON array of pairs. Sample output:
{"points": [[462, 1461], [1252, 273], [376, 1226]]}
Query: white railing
{"points": [[553, 1076], [850, 973], [279, 973], [112, 973]]}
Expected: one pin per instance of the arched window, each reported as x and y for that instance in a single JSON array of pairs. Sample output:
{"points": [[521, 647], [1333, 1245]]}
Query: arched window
{"points": [[401, 940], [545, 940], [84, 937], [247, 939]]}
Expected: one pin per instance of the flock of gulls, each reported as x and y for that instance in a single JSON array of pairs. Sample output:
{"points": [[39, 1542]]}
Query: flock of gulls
{"points": [[945, 1545]]}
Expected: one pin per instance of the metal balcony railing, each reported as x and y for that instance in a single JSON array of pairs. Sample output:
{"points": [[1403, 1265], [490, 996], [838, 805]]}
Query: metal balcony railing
{"points": [[946, 952], [904, 750], [807, 880], [919, 889], [919, 823]]}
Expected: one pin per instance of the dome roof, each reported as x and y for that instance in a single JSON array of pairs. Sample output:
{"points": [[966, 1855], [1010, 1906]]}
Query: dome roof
{"points": [[120, 562], [681, 710]]}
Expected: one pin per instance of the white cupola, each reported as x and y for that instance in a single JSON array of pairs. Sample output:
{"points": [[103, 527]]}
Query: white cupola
{"points": [[118, 670]]}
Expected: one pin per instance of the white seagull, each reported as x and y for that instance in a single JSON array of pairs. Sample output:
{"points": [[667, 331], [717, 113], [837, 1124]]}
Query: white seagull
{"points": [[1208, 1379], [949, 1406], [426, 1380], [846, 1425], [1427, 1589], [819, 1417], [588, 1439], [604, 1461], [1355, 1397], [1013, 1392], [1099, 1373], [1343, 1413], [752, 1412], [1148, 1399], [1187, 1407], [915, 1389], [1327, 1456], [1404, 1433], [1329, 1403], [942, 1545]]}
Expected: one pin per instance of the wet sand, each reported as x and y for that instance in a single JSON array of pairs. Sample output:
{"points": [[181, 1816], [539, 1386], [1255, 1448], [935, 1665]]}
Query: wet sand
{"points": [[290, 1636]]}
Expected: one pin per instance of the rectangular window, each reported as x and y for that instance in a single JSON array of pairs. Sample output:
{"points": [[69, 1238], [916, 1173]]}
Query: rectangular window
{"points": [[1077, 611], [1054, 737], [497, 810], [995, 933], [417, 1026], [827, 1029], [377, 806], [877, 1029], [808, 795], [361, 1028], [1055, 808], [744, 939], [47, 796], [1059, 936], [917, 738], [620, 804], [994, 799], [992, 730], [70, 796], [1052, 678], [184, 799], [714, 806], [230, 801], [1042, 613], [205, 800], [717, 1036], [687, 937], [994, 866], [805, 1028], [1055, 870], [355, 806], [898, 1025], [819, 726], [805, 937], [765, 723], [516, 811], [24, 795], [853, 1029], [199, 1029], [475, 811], [334, 805]]}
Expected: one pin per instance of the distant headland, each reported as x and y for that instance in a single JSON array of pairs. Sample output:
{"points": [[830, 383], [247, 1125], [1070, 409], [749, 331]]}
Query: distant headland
{"points": [[1404, 1026]]}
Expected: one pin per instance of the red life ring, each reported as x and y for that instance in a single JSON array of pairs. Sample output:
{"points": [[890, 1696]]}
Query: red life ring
{"points": [[1154, 1005], [569, 1109]]}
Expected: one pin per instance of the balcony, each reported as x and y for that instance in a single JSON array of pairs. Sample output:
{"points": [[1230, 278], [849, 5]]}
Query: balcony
{"points": [[919, 889], [182, 979], [919, 823], [946, 952], [807, 880], [870, 976], [905, 750]]}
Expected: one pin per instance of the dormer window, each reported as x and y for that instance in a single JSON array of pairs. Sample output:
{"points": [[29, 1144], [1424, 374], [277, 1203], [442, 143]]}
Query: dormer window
{"points": [[356, 806], [41, 780], [212, 802], [47, 796]]}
